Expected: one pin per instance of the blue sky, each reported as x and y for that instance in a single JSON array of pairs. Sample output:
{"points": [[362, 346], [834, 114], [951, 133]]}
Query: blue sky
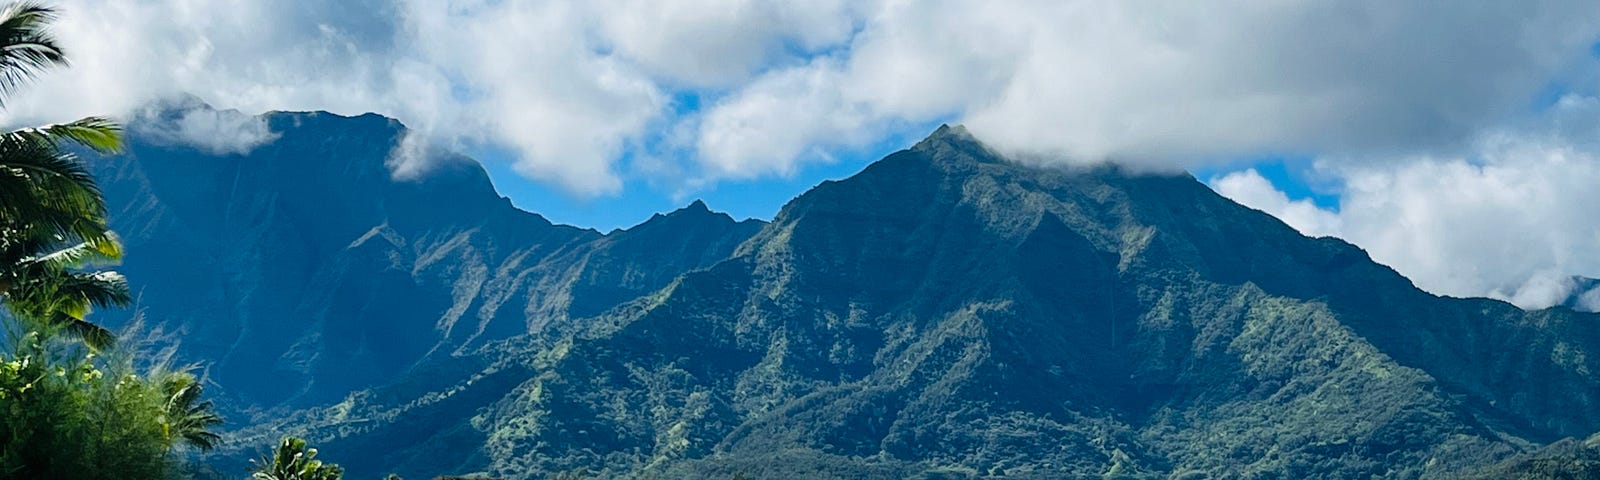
{"points": [[753, 198], [762, 198]]}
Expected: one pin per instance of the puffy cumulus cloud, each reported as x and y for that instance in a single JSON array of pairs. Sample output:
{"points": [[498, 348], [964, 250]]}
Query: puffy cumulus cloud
{"points": [[769, 126], [1511, 219], [579, 89], [573, 87], [252, 55], [534, 81], [1250, 189], [1171, 84], [1546, 289], [1493, 225], [1395, 97], [723, 43]]}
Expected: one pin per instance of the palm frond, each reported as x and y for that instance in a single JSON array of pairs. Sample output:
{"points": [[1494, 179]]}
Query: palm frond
{"points": [[52, 213], [187, 417], [57, 297], [202, 439], [26, 46], [98, 338], [95, 133], [77, 256], [38, 160], [48, 191], [101, 289]]}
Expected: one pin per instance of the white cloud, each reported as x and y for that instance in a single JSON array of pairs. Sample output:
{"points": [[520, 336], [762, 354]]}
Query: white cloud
{"points": [[1483, 227], [218, 132], [1394, 97], [536, 82], [570, 86], [723, 43], [1249, 188], [1170, 84], [1543, 289], [576, 87], [786, 116], [1514, 219], [1590, 300]]}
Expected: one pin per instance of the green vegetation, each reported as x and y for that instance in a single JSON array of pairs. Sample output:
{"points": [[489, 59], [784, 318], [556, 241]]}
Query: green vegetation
{"points": [[986, 320], [72, 406], [293, 460], [67, 414], [1568, 459], [186, 418], [52, 216]]}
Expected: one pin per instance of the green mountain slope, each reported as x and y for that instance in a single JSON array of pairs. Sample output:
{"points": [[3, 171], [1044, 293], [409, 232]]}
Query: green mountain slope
{"points": [[947, 314]]}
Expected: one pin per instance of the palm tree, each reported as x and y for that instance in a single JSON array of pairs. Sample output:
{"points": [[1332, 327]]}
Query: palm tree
{"points": [[293, 461], [186, 418], [52, 214], [51, 293]]}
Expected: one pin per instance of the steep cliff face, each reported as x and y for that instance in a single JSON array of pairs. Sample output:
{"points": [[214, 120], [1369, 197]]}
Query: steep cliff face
{"points": [[948, 313], [303, 270]]}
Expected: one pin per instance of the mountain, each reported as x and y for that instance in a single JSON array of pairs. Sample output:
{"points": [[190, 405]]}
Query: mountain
{"points": [[1568, 459], [949, 314], [945, 313], [303, 270]]}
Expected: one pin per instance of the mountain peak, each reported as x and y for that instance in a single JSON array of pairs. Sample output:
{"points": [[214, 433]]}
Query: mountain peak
{"points": [[946, 130], [949, 134], [696, 213], [956, 144], [696, 210]]}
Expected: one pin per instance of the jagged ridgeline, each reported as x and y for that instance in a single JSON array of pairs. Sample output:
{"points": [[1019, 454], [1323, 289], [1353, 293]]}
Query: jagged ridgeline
{"points": [[943, 314]]}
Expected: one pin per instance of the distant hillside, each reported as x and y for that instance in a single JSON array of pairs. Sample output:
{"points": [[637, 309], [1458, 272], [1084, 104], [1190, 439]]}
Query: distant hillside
{"points": [[1568, 459]]}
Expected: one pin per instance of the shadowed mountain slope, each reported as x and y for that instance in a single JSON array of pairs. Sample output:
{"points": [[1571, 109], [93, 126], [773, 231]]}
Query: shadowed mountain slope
{"points": [[303, 270]]}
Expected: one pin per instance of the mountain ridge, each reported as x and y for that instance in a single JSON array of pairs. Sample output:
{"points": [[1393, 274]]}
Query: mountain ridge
{"points": [[944, 313], [312, 226], [947, 313]]}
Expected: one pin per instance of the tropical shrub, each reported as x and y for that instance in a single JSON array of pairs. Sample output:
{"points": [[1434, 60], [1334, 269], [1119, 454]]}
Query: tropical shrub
{"points": [[67, 411], [73, 416], [293, 460]]}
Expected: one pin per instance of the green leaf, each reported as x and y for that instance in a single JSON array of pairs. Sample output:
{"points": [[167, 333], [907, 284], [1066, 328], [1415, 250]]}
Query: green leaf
{"points": [[95, 133], [26, 46]]}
